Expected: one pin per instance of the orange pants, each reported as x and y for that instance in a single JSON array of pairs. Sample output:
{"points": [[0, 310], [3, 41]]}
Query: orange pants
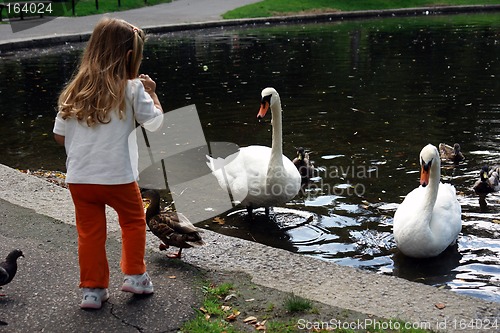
{"points": [[90, 207]]}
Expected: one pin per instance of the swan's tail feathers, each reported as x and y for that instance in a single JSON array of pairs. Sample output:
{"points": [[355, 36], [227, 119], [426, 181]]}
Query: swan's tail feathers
{"points": [[215, 163], [224, 161], [210, 162], [222, 152]]}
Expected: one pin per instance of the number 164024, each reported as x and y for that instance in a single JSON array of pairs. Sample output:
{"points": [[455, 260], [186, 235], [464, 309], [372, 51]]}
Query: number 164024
{"points": [[29, 8]]}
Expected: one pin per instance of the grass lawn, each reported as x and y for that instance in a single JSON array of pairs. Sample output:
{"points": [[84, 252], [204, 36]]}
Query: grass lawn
{"points": [[88, 7], [267, 8]]}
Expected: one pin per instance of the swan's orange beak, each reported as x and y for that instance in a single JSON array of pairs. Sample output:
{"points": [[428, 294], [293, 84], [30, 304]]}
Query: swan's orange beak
{"points": [[264, 106], [425, 173], [424, 177]]}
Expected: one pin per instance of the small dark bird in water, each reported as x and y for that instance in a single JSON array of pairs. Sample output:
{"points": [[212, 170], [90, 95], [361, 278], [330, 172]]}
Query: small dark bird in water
{"points": [[304, 165], [488, 182], [451, 154], [173, 229], [8, 268]]}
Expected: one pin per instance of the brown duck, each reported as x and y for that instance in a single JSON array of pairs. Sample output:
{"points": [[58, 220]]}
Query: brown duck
{"points": [[305, 167], [451, 154], [173, 229], [488, 182]]}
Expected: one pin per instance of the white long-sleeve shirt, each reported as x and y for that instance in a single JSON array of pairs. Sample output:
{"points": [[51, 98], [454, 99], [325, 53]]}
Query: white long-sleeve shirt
{"points": [[103, 153]]}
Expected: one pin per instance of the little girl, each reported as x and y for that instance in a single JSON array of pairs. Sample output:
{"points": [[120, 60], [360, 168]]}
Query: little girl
{"points": [[98, 109]]}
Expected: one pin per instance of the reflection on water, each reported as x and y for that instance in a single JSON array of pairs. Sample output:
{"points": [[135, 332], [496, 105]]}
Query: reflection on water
{"points": [[363, 96]]}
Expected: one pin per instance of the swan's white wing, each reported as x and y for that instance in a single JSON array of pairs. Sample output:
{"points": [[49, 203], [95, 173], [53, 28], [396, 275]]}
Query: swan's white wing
{"points": [[406, 215], [246, 175], [230, 175], [244, 172], [293, 179], [412, 236], [446, 221], [250, 173]]}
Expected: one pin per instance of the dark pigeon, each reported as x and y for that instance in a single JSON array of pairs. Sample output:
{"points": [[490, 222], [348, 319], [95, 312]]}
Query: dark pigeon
{"points": [[8, 268]]}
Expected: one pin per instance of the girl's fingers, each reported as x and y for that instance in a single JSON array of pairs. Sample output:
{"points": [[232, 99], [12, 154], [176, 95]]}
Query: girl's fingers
{"points": [[148, 83]]}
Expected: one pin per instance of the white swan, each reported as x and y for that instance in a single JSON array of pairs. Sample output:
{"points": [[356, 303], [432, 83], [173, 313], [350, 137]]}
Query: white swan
{"points": [[259, 176], [430, 218]]}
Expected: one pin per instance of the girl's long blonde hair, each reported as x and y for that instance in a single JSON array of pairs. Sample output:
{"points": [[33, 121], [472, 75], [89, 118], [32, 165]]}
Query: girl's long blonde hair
{"points": [[112, 56]]}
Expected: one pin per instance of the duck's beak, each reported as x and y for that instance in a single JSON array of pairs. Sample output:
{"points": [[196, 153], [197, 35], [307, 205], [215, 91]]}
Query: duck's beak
{"points": [[264, 106], [425, 173]]}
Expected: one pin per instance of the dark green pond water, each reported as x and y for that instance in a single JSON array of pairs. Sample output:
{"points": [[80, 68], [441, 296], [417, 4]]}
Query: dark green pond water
{"points": [[363, 96]]}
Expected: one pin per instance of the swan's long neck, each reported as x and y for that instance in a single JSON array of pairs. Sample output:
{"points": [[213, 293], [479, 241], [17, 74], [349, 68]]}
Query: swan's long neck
{"points": [[277, 143], [431, 191]]}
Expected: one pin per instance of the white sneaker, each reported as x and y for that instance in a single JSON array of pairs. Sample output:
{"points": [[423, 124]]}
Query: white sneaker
{"points": [[138, 284], [93, 298]]}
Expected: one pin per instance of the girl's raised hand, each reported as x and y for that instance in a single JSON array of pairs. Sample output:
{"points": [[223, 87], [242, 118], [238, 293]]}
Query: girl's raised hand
{"points": [[150, 88], [148, 83]]}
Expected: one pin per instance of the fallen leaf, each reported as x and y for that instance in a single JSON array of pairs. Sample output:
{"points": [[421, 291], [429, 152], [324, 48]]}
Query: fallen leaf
{"points": [[496, 221], [202, 309], [250, 320], [225, 308], [231, 317], [440, 306], [261, 326], [207, 317], [218, 220], [230, 296], [172, 277], [250, 300]]}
